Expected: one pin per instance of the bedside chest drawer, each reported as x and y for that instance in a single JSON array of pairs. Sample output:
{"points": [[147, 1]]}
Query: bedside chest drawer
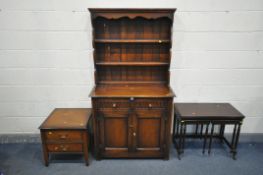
{"points": [[64, 147], [64, 135]]}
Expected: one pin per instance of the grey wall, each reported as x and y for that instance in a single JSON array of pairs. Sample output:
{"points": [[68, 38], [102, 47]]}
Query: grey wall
{"points": [[46, 56]]}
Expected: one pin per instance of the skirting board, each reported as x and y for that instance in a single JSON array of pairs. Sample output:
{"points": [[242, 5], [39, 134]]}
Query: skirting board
{"points": [[35, 138]]}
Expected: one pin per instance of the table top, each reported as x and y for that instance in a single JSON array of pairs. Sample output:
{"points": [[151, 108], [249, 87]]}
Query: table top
{"points": [[67, 118], [206, 111]]}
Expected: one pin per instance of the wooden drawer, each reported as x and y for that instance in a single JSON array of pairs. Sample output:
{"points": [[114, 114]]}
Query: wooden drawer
{"points": [[114, 113], [63, 135], [112, 103], [65, 147], [150, 103], [149, 113]]}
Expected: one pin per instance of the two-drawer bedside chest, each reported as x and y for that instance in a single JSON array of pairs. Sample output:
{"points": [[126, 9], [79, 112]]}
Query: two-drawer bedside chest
{"points": [[65, 131]]}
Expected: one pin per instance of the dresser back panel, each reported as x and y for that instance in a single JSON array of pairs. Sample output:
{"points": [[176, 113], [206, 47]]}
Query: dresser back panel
{"points": [[126, 28], [129, 74], [122, 52]]}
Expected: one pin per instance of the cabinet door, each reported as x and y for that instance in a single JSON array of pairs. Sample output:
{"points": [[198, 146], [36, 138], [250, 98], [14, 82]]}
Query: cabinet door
{"points": [[150, 130], [113, 130]]}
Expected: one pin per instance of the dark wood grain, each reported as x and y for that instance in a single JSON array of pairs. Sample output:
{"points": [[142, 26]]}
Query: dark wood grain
{"points": [[132, 99]]}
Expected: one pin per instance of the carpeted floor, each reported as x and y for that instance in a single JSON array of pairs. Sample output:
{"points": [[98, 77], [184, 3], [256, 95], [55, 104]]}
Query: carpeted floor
{"points": [[26, 159]]}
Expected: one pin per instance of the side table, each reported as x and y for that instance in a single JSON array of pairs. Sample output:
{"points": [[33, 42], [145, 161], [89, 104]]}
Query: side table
{"points": [[65, 131]]}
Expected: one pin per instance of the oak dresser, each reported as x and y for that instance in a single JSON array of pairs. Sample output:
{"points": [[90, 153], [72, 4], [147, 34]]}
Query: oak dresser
{"points": [[132, 101]]}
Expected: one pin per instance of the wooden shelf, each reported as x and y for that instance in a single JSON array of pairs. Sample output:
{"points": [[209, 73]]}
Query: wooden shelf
{"points": [[131, 41], [132, 90], [132, 82], [132, 64]]}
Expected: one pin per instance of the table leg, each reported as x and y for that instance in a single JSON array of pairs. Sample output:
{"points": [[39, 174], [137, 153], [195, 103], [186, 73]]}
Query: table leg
{"points": [[196, 129], [211, 138], [201, 131], [235, 139], [177, 128], [184, 134], [180, 139], [206, 133], [174, 127], [221, 132], [233, 136]]}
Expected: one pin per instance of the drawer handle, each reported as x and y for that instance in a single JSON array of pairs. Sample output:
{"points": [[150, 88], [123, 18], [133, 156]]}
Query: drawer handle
{"points": [[49, 133], [63, 136], [114, 105], [64, 148], [150, 105], [134, 134], [56, 148]]}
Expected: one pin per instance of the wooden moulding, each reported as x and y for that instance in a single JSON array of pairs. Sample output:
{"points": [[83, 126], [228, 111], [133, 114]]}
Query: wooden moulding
{"points": [[132, 13]]}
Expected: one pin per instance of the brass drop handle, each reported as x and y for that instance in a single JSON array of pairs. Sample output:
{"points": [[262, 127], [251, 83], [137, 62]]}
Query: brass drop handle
{"points": [[63, 136], [150, 105], [114, 105], [134, 134], [64, 148]]}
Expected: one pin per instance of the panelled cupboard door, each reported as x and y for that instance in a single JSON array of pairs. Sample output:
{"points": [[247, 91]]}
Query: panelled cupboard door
{"points": [[129, 132], [150, 130], [113, 130]]}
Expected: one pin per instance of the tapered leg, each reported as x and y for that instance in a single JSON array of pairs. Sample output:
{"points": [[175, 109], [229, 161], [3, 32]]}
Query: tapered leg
{"points": [[235, 138], [174, 127], [180, 140], [236, 142], [221, 132], [196, 129], [206, 133], [184, 135], [211, 138], [201, 131]]}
